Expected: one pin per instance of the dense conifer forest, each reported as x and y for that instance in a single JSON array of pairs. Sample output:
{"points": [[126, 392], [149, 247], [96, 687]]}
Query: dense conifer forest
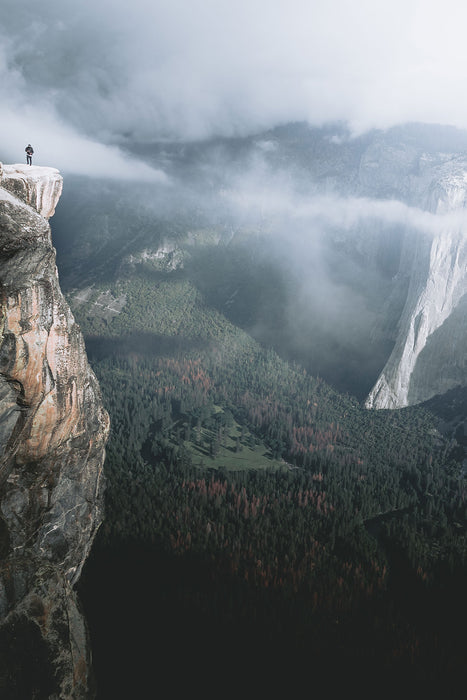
{"points": [[252, 506]]}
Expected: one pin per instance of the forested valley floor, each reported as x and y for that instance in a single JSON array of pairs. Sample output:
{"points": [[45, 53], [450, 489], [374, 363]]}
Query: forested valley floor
{"points": [[260, 525]]}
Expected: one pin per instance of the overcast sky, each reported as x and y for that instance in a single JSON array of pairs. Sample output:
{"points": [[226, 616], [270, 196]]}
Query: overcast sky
{"points": [[78, 78]]}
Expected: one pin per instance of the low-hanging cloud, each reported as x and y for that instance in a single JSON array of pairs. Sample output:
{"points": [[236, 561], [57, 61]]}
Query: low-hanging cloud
{"points": [[57, 144], [190, 69], [28, 114], [338, 212]]}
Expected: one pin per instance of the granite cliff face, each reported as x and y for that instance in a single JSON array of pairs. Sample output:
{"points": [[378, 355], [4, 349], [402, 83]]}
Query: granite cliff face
{"points": [[430, 354], [53, 430]]}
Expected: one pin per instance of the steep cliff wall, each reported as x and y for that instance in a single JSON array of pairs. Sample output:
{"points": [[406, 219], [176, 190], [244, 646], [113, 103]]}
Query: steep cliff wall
{"points": [[53, 430], [430, 354]]}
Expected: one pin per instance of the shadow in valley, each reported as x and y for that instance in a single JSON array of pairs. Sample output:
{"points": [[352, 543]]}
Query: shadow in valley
{"points": [[145, 344]]}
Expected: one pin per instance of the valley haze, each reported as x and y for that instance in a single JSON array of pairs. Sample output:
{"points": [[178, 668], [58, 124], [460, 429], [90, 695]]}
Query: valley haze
{"points": [[99, 89], [261, 251], [346, 224]]}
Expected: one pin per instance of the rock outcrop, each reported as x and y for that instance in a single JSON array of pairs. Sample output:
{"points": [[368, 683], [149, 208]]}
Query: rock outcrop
{"points": [[53, 431], [35, 185]]}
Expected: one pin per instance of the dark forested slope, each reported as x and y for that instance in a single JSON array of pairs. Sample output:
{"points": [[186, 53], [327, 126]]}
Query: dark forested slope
{"points": [[258, 518], [251, 499]]}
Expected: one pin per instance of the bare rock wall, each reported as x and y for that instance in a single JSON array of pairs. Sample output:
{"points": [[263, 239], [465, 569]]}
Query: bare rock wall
{"points": [[53, 430]]}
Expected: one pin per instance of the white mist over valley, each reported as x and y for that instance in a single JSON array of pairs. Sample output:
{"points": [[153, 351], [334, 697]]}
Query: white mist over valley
{"points": [[233, 347]]}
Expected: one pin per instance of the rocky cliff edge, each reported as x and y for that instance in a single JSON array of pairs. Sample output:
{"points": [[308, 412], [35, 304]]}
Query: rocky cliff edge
{"points": [[53, 431]]}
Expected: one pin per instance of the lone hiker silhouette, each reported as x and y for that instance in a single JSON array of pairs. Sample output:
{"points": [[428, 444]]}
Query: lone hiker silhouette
{"points": [[29, 151]]}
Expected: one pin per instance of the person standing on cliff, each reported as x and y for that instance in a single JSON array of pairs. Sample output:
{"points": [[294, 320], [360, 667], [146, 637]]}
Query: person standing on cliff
{"points": [[29, 151]]}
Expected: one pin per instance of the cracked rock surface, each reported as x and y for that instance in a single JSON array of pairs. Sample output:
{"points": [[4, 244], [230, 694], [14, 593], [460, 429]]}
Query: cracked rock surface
{"points": [[53, 431]]}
